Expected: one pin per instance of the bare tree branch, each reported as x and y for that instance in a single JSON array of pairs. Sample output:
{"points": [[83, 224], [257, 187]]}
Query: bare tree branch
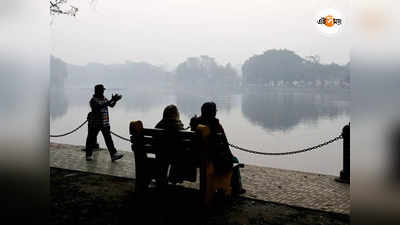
{"points": [[58, 7]]}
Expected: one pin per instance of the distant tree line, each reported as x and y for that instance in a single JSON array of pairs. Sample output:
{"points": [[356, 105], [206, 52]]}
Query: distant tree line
{"points": [[274, 68], [285, 68]]}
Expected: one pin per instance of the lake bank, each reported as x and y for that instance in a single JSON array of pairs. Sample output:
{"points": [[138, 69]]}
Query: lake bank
{"points": [[86, 198], [287, 187]]}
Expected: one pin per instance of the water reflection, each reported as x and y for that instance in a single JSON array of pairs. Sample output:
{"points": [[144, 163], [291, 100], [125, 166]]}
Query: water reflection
{"points": [[143, 101], [189, 104], [139, 101], [283, 110], [273, 110], [58, 103]]}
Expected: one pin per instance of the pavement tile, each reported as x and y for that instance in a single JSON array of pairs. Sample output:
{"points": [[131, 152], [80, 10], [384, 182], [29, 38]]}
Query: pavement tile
{"points": [[307, 190]]}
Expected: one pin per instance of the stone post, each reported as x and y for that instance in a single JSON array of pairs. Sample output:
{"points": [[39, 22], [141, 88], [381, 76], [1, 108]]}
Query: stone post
{"points": [[345, 173]]}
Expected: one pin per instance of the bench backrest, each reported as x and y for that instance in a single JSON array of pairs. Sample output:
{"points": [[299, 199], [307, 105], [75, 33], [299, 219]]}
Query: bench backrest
{"points": [[158, 141], [154, 140]]}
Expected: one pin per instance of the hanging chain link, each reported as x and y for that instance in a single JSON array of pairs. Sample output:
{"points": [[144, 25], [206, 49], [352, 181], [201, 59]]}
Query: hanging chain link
{"points": [[61, 135], [123, 138], [232, 145], [287, 153]]}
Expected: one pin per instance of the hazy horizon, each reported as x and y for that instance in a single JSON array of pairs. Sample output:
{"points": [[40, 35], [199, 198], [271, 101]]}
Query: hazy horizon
{"points": [[166, 33]]}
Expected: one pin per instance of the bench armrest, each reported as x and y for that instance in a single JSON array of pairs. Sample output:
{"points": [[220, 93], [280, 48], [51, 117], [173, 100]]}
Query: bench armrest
{"points": [[240, 165]]}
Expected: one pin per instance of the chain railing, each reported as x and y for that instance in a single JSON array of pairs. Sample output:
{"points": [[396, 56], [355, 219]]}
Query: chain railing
{"points": [[61, 135], [287, 153], [230, 144], [123, 138], [76, 129]]}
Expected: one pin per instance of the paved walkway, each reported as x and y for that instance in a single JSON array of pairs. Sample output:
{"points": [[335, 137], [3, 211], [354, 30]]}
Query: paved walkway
{"points": [[308, 190]]}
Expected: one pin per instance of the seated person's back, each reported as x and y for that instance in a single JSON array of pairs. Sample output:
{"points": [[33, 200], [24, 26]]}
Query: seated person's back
{"points": [[221, 155], [179, 169]]}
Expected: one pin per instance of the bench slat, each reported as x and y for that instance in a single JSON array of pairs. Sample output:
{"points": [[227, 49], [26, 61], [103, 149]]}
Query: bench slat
{"points": [[149, 148], [155, 132], [148, 140]]}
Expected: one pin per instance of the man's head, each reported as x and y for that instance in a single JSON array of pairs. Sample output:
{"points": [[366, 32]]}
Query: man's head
{"points": [[209, 110], [99, 89]]}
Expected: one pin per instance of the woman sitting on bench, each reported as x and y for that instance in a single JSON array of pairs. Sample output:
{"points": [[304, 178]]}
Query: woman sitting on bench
{"points": [[178, 171], [223, 157]]}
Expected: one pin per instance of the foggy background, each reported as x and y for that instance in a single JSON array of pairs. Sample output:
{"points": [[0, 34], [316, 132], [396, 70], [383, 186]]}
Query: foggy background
{"points": [[165, 33], [273, 74], [26, 46]]}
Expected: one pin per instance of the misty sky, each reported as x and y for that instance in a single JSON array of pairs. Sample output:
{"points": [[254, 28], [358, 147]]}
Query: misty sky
{"points": [[166, 32]]}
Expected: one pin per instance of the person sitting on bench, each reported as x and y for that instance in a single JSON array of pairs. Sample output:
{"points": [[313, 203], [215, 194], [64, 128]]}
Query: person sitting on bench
{"points": [[223, 157], [178, 171]]}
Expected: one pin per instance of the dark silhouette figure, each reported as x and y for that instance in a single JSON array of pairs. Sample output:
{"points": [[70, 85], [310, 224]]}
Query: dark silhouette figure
{"points": [[96, 144], [393, 138], [180, 166], [99, 121], [222, 155]]}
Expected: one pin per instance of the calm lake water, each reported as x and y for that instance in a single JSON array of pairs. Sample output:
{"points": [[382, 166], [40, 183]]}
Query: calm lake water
{"points": [[270, 121]]}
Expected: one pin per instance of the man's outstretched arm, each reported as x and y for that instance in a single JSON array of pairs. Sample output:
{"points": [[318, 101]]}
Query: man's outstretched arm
{"points": [[114, 99], [112, 103]]}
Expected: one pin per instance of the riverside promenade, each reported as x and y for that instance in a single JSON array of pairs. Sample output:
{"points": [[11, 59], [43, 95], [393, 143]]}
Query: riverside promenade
{"points": [[294, 188]]}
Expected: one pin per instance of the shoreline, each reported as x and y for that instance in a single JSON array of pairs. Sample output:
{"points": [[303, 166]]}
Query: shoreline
{"points": [[87, 198], [298, 189], [252, 165]]}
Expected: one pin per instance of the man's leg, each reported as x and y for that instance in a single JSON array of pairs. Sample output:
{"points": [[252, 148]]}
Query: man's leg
{"points": [[108, 139], [90, 124], [93, 142], [91, 138]]}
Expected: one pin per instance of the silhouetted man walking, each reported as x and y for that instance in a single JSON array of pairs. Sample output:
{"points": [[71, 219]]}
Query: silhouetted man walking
{"points": [[100, 122]]}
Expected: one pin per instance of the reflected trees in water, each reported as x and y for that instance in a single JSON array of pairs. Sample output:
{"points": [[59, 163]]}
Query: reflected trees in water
{"points": [[281, 111]]}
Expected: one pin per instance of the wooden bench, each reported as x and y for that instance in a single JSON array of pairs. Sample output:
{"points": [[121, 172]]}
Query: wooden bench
{"points": [[152, 146]]}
